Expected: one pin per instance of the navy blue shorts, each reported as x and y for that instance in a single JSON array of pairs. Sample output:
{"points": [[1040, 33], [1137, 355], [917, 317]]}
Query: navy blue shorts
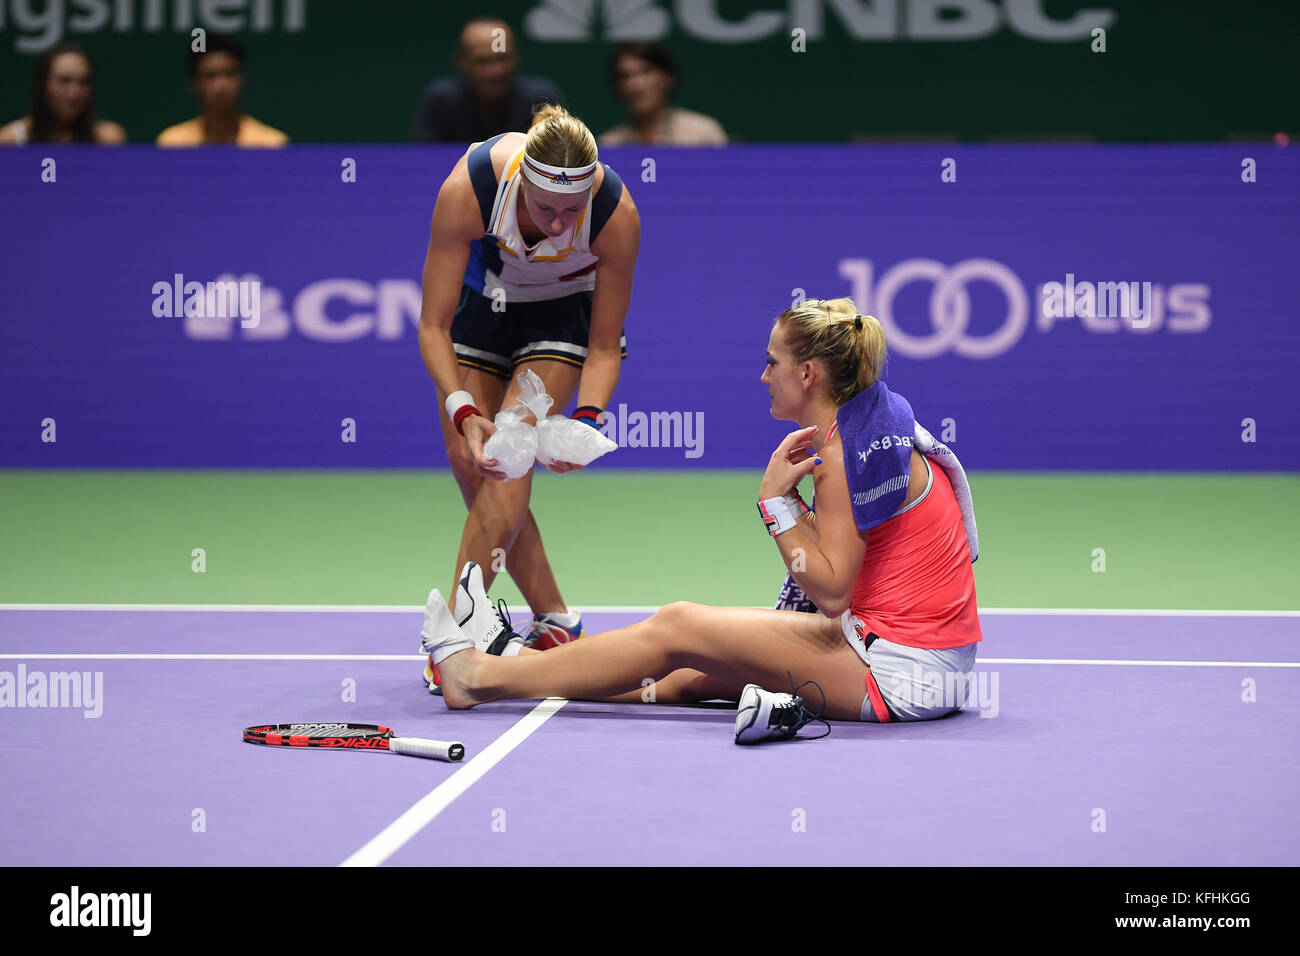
{"points": [[498, 342]]}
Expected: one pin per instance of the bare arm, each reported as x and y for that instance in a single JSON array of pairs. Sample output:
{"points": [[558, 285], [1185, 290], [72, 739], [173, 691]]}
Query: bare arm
{"points": [[808, 522], [617, 246], [456, 223], [825, 563], [444, 273]]}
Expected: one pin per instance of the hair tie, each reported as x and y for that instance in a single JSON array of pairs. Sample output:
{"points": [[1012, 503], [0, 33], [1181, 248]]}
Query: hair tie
{"points": [[857, 323]]}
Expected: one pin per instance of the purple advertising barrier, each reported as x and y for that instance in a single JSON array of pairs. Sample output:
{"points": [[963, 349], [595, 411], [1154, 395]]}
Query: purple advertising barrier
{"points": [[1047, 307]]}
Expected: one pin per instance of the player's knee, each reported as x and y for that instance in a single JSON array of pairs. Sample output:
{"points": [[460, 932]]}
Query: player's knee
{"points": [[502, 506], [671, 623], [463, 468], [678, 611]]}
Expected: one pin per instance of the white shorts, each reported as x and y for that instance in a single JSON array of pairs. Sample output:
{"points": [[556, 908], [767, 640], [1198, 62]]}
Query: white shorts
{"points": [[910, 683]]}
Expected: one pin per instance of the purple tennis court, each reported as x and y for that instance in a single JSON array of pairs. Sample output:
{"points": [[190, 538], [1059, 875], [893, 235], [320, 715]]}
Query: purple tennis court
{"points": [[1095, 739]]}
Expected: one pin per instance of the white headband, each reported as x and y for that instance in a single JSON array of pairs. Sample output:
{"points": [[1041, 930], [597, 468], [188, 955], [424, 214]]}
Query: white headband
{"points": [[558, 179]]}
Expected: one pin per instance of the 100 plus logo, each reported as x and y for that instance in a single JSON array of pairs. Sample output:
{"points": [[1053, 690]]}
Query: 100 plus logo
{"points": [[1176, 308]]}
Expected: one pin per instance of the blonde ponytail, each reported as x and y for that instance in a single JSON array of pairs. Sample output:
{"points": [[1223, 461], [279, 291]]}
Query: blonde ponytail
{"points": [[850, 346]]}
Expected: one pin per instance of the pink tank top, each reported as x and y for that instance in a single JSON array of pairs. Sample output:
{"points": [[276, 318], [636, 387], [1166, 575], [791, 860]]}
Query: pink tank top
{"points": [[916, 586]]}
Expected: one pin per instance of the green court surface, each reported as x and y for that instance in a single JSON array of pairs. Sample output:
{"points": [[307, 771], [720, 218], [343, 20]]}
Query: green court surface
{"points": [[619, 538]]}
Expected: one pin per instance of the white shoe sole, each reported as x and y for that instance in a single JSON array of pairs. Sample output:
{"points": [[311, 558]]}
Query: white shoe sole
{"points": [[748, 711]]}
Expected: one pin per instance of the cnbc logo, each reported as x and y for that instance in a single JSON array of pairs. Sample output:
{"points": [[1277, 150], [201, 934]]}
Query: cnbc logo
{"points": [[577, 21]]}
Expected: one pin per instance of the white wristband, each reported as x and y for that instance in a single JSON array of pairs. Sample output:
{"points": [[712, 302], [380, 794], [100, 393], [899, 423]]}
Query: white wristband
{"points": [[796, 503], [456, 401], [777, 515]]}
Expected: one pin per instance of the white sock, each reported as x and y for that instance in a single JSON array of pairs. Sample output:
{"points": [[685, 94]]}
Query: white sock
{"points": [[441, 636], [567, 619]]}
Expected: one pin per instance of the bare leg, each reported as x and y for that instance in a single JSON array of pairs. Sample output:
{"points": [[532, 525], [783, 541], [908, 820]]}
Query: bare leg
{"points": [[733, 646], [526, 557], [683, 686]]}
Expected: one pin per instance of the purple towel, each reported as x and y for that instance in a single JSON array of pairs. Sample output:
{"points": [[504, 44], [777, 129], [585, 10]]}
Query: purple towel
{"points": [[877, 429]]}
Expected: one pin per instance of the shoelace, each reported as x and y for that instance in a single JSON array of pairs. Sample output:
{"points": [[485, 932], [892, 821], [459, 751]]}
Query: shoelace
{"points": [[535, 630], [503, 612], [802, 715], [540, 628], [507, 636]]}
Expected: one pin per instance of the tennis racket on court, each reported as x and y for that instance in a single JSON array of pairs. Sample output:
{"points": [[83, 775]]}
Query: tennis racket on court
{"points": [[341, 736]]}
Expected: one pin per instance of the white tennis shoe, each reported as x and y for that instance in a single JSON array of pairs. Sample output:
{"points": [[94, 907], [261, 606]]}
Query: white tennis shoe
{"points": [[488, 627], [476, 625], [766, 715]]}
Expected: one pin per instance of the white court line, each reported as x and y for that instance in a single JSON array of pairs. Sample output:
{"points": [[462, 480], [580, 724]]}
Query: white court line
{"points": [[381, 658], [390, 839], [625, 609]]}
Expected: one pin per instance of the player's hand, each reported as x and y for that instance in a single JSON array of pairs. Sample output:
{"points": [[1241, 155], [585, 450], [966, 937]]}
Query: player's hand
{"points": [[794, 458], [560, 467], [477, 431]]}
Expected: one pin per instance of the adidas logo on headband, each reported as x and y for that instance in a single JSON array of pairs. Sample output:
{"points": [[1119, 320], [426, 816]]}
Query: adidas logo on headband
{"points": [[566, 179]]}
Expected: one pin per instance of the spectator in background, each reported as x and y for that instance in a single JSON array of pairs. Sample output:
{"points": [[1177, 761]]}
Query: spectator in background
{"points": [[644, 76], [217, 80], [489, 96], [63, 103]]}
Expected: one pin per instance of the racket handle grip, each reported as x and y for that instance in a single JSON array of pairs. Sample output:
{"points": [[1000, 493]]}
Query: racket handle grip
{"points": [[419, 747]]}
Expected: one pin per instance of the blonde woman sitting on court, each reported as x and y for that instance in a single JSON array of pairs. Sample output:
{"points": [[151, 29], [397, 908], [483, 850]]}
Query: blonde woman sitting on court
{"points": [[884, 561]]}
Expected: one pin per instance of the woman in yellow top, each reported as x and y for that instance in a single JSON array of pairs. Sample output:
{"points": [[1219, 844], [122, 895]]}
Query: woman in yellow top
{"points": [[217, 79]]}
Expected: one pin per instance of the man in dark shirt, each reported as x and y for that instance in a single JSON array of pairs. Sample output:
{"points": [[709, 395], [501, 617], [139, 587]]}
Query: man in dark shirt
{"points": [[489, 97]]}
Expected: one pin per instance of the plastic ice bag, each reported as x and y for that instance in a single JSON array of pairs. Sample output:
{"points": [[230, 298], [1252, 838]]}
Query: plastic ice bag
{"points": [[555, 438], [532, 394], [560, 438], [513, 445]]}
